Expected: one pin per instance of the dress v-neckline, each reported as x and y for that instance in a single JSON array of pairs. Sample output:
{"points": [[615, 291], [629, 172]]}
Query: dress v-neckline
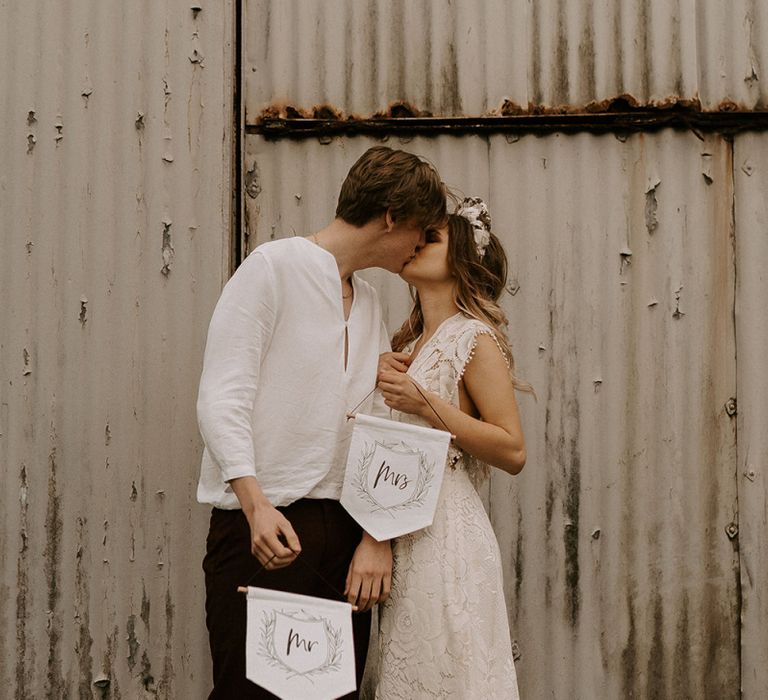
{"points": [[432, 337]]}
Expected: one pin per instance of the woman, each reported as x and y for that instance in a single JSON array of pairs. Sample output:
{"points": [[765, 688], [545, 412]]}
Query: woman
{"points": [[444, 630]]}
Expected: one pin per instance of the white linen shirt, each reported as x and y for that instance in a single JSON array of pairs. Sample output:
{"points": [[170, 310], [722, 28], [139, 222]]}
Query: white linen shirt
{"points": [[274, 391]]}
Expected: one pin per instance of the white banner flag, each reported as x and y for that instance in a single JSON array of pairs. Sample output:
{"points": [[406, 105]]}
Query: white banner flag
{"points": [[393, 475], [299, 646]]}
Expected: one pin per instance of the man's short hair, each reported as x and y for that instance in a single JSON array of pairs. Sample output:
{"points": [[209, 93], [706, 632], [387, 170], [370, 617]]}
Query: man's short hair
{"points": [[386, 179]]}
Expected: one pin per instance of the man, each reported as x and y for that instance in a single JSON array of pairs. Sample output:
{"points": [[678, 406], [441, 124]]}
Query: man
{"points": [[293, 346]]}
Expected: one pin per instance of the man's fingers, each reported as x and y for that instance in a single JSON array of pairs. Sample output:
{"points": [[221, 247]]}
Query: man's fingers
{"points": [[386, 588], [273, 543], [290, 536], [268, 559], [279, 563]]}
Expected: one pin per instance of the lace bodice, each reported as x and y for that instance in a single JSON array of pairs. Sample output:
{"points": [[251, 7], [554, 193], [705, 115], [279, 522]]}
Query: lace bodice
{"points": [[439, 367]]}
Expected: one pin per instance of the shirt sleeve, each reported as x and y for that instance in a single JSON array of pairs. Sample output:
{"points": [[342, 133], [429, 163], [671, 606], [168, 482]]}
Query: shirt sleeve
{"points": [[240, 331]]}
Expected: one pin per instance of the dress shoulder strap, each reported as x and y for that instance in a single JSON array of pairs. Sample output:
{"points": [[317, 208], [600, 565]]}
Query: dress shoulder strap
{"points": [[464, 342]]}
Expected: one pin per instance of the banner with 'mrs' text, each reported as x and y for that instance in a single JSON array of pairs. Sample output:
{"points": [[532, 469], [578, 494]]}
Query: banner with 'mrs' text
{"points": [[393, 475]]}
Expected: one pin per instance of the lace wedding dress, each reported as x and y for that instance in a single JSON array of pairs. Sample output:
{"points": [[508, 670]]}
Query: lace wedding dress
{"points": [[444, 631]]}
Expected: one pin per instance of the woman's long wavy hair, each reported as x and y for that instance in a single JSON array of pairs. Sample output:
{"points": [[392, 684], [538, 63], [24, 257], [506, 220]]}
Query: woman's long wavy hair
{"points": [[479, 284]]}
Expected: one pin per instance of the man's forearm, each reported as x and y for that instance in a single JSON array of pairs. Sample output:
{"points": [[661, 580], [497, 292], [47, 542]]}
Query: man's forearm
{"points": [[249, 494]]}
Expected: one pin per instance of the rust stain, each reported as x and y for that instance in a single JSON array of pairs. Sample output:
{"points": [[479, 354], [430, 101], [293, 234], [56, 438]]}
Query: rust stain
{"points": [[450, 95], [55, 686], [587, 71], [133, 644], [145, 607], [106, 683], [147, 679], [561, 77], [620, 115], [655, 673], [22, 679], [168, 677], [519, 562], [681, 659], [571, 532], [401, 109], [729, 106], [629, 653], [84, 641], [325, 111]]}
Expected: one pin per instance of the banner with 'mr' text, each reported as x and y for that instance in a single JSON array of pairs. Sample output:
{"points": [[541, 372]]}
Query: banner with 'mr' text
{"points": [[299, 647]]}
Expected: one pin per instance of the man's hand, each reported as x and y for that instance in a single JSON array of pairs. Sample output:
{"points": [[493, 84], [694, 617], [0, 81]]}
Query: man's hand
{"points": [[397, 361], [370, 574], [273, 540]]}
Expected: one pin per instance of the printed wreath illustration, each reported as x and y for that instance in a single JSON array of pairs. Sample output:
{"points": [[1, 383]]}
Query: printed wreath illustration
{"points": [[267, 645], [360, 479]]}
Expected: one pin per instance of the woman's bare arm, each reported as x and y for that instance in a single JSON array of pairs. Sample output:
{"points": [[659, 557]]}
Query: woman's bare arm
{"points": [[496, 437]]}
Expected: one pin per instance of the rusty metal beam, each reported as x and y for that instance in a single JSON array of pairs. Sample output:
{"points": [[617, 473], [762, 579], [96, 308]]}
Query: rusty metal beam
{"points": [[605, 122]]}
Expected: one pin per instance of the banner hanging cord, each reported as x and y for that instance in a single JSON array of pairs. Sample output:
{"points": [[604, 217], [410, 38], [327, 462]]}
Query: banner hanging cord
{"points": [[244, 589], [351, 414]]}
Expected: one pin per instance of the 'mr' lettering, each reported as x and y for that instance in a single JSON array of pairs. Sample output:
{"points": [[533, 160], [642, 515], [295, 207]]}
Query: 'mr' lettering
{"points": [[298, 643]]}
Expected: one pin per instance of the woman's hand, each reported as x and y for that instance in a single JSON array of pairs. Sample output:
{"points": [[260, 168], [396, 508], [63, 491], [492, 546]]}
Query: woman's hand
{"points": [[393, 361], [369, 578], [401, 393]]}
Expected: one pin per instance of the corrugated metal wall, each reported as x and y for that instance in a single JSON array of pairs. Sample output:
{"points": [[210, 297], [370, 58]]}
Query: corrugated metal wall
{"points": [[751, 212], [621, 579], [634, 541], [115, 210], [468, 58]]}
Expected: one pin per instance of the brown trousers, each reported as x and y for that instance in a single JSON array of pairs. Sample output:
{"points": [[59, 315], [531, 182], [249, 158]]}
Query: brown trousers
{"points": [[328, 537]]}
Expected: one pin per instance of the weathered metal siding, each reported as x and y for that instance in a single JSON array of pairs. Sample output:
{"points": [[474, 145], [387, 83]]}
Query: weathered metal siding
{"points": [[471, 58], [622, 580], [751, 213], [619, 568], [115, 210]]}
